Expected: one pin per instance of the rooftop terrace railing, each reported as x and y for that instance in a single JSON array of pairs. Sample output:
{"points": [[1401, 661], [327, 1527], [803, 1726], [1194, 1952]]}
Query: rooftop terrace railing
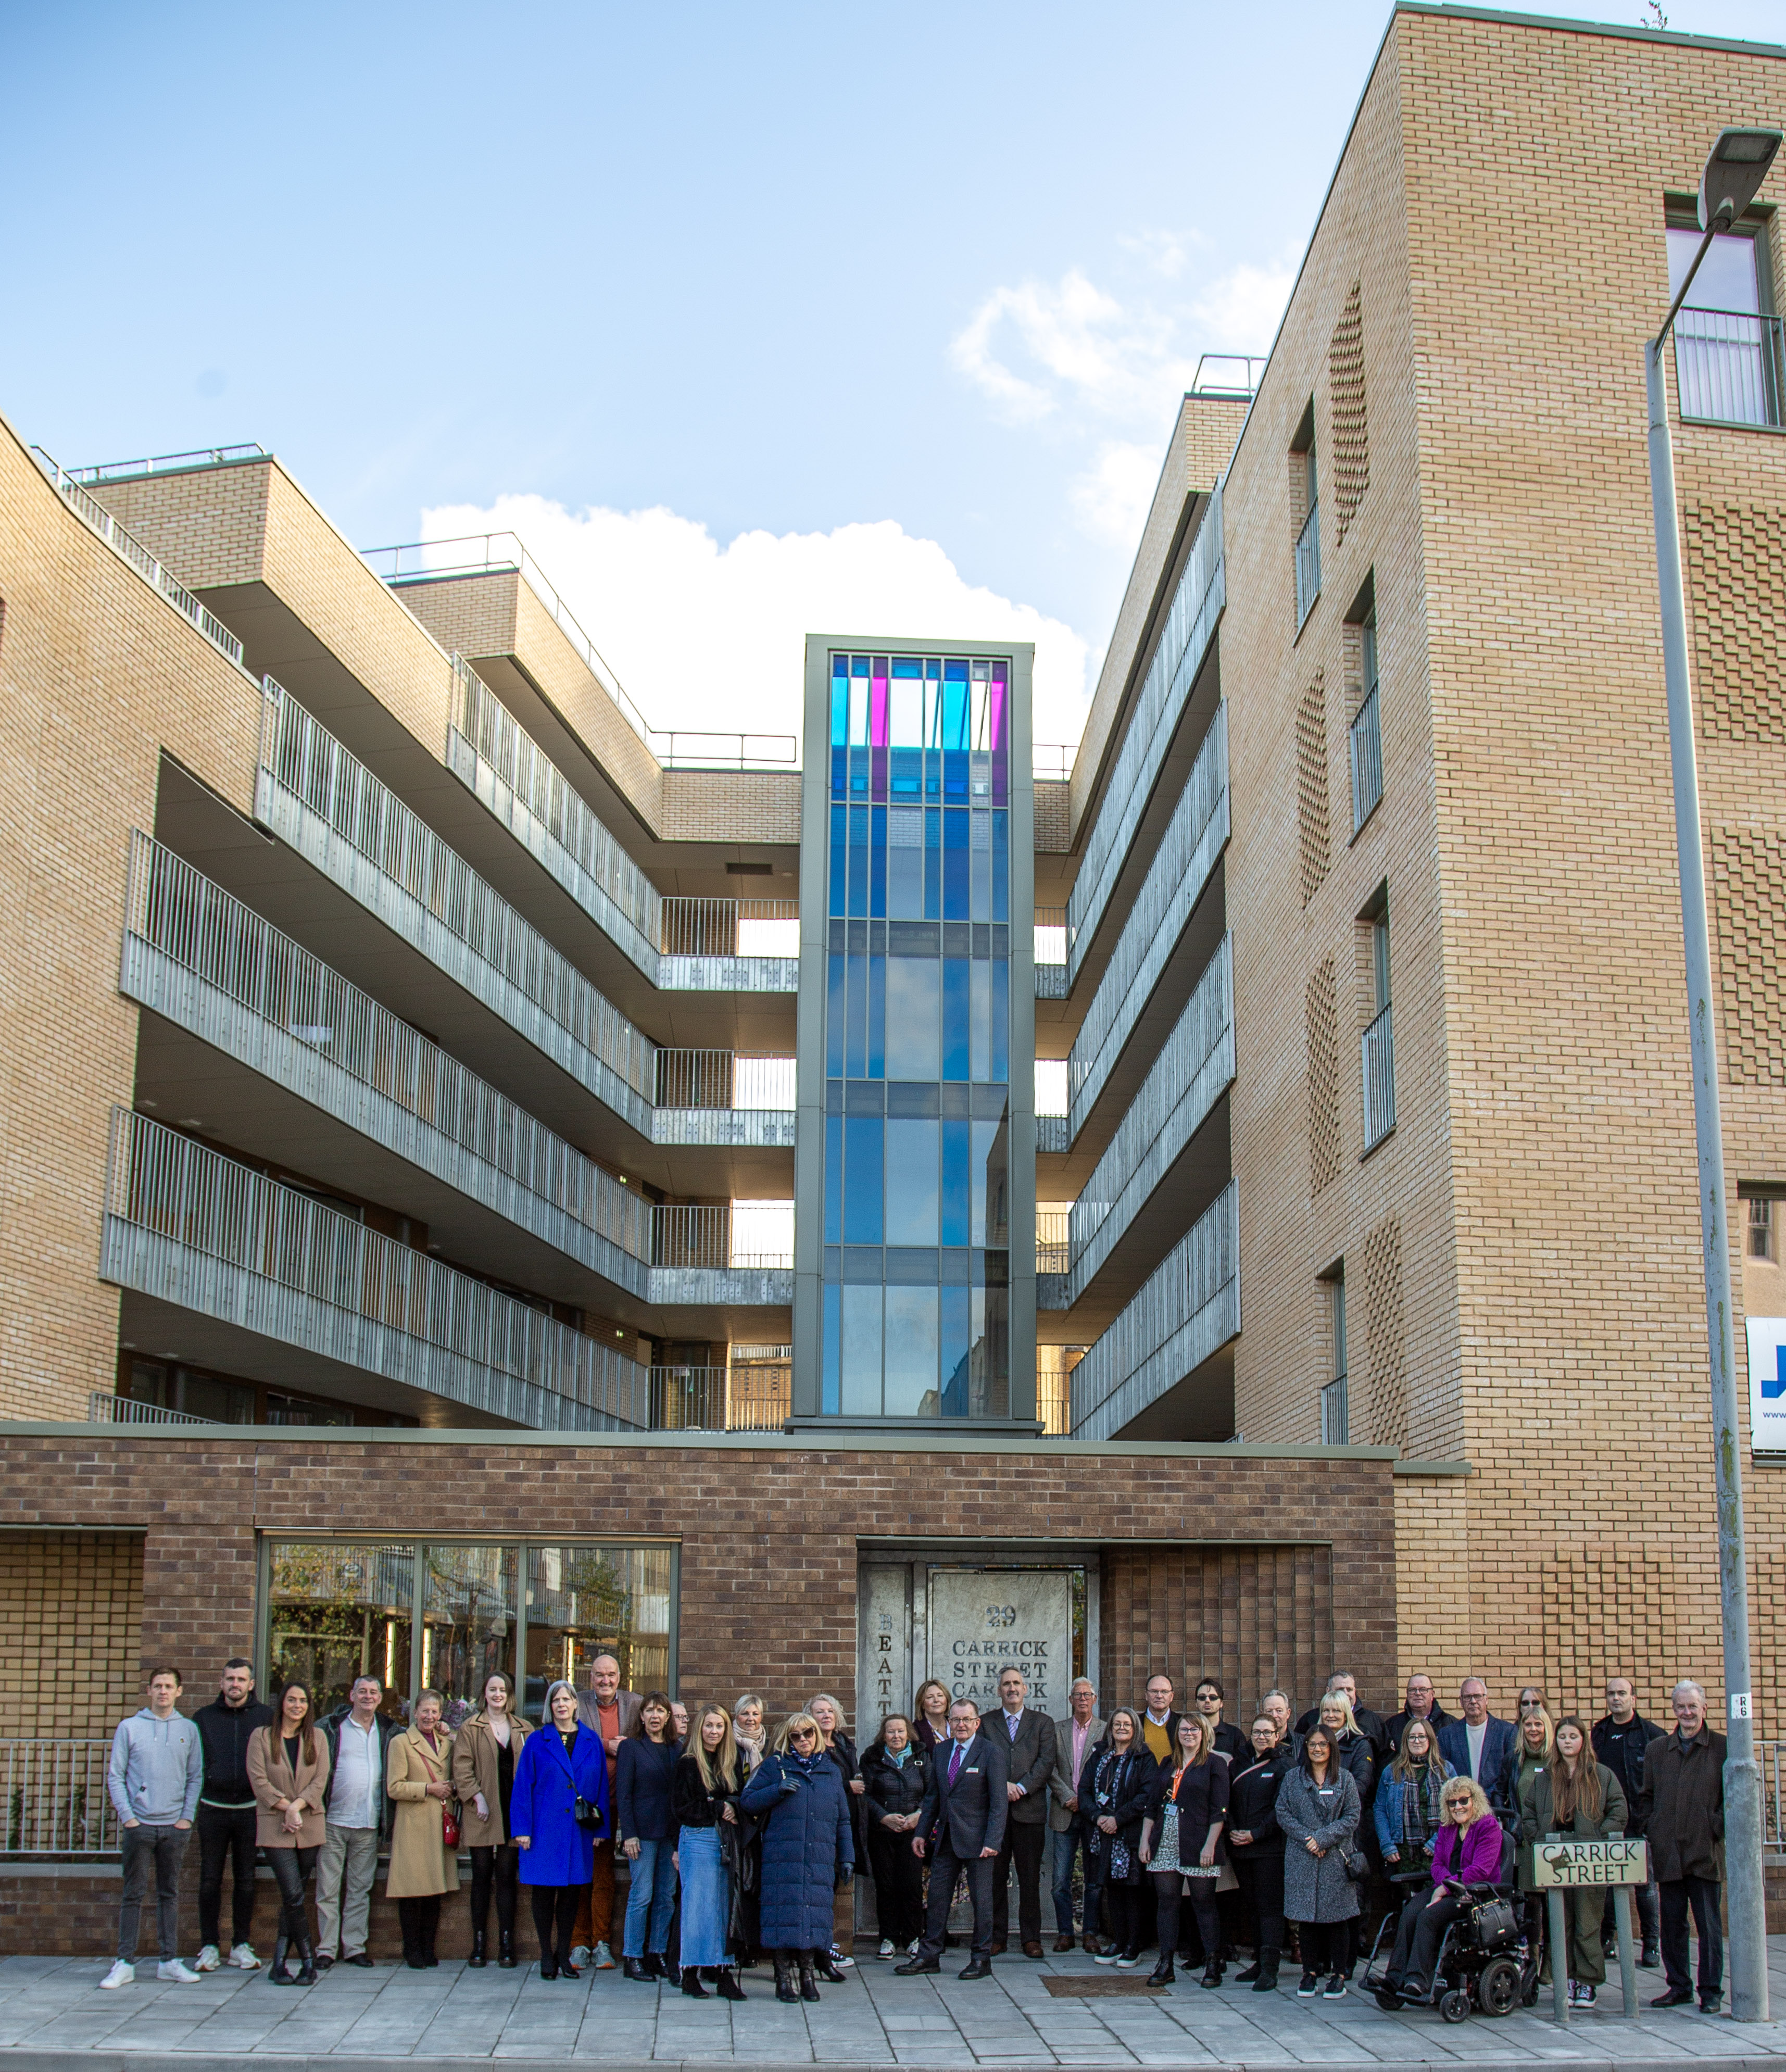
{"points": [[172, 463], [94, 515]]}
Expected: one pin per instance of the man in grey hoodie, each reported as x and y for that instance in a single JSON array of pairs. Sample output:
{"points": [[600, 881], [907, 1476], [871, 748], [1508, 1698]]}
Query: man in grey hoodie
{"points": [[156, 1770]]}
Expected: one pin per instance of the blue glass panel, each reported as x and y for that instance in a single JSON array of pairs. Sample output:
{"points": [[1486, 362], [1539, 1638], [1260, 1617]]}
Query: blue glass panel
{"points": [[954, 867], [836, 1018], [981, 850], [907, 779], [858, 773], [981, 1009], [955, 672], [958, 1186], [877, 863], [933, 669], [877, 1016], [933, 773], [839, 772], [955, 1336], [955, 779], [859, 859], [988, 1173], [1001, 866], [1001, 1019], [908, 665], [859, 1391], [833, 1179], [955, 992], [862, 1155], [856, 1057], [905, 864], [839, 858], [834, 1333], [877, 765], [911, 1182], [911, 1380], [912, 1000], [933, 863]]}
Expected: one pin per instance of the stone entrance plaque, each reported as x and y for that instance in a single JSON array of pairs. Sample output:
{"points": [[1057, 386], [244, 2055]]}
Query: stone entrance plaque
{"points": [[981, 1619]]}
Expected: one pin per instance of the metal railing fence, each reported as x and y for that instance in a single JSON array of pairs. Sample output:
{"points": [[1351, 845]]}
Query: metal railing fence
{"points": [[1378, 1050], [119, 470], [95, 516], [103, 1408], [1728, 367], [1053, 1229], [1367, 761], [1308, 564], [1051, 935], [723, 1079], [56, 1803], [690, 927]]}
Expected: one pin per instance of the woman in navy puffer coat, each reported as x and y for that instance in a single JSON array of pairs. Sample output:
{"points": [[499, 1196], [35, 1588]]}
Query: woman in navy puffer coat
{"points": [[808, 1854]]}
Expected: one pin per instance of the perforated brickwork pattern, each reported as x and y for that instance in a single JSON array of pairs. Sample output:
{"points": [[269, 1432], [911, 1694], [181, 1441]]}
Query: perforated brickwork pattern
{"points": [[1386, 1339], [1323, 1016], [1749, 896], [1346, 375], [1312, 801], [1736, 561]]}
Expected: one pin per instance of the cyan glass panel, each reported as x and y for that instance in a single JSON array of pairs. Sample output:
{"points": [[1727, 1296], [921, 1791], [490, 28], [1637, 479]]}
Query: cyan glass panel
{"points": [[1001, 866], [833, 1179], [834, 1332], [862, 1155], [839, 702], [911, 1375], [957, 1182], [877, 1016], [835, 1016], [859, 1391], [912, 1182], [954, 867], [856, 1055], [877, 863], [956, 985], [912, 991]]}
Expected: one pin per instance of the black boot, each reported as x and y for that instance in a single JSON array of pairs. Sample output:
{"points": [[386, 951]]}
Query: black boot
{"points": [[729, 1988], [784, 1976], [809, 1984], [635, 1968], [306, 1974], [1162, 1974], [505, 1950], [276, 1973], [691, 1982], [477, 1960], [1246, 1978], [1266, 1982], [1212, 1972]]}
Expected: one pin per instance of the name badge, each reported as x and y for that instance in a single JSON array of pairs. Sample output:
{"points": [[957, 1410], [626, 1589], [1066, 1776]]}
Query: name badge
{"points": [[969, 1769]]}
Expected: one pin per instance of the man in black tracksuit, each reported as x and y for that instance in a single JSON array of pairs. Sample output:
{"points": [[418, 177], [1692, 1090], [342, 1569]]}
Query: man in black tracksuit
{"points": [[1619, 1741], [226, 1817]]}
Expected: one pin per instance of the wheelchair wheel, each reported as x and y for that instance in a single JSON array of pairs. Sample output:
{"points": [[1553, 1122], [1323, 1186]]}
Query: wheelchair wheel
{"points": [[1497, 1990], [1455, 2005]]}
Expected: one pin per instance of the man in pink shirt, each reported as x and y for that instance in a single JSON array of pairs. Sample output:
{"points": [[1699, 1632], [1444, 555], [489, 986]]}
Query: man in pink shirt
{"points": [[1074, 1739]]}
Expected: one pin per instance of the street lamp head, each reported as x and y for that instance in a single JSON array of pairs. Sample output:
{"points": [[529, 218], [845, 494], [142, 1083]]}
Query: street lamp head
{"points": [[1734, 173]]}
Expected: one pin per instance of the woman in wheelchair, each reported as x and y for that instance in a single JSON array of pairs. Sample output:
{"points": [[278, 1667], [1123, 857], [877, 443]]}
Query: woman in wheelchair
{"points": [[1467, 1852]]}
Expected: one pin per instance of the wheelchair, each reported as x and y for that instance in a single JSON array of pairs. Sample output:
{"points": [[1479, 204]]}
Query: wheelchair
{"points": [[1484, 1961]]}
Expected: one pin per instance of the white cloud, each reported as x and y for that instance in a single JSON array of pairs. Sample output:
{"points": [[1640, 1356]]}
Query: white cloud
{"points": [[1112, 500], [1161, 251], [711, 638]]}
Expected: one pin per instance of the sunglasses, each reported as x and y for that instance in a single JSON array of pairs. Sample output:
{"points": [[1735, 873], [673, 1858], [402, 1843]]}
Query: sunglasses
{"points": [[1531, 1705], [803, 1734]]}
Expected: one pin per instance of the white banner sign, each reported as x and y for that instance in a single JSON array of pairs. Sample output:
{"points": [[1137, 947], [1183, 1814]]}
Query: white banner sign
{"points": [[1767, 1384]]}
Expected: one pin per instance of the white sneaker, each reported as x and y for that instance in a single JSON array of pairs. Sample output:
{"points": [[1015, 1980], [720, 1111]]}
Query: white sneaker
{"points": [[579, 1955], [840, 1960], [244, 1959], [911, 1948], [120, 1973], [175, 1973], [208, 1959], [602, 1958], [886, 1947]]}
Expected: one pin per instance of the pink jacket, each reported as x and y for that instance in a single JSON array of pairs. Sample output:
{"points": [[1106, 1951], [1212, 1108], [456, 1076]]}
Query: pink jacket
{"points": [[1471, 1855]]}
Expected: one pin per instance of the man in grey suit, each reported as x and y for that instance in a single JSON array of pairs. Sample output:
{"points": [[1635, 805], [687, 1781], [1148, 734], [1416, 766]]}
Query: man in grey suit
{"points": [[1074, 1739], [960, 1825], [1028, 1738]]}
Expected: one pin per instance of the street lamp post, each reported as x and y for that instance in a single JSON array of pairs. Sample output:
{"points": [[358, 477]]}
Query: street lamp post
{"points": [[1734, 172]]}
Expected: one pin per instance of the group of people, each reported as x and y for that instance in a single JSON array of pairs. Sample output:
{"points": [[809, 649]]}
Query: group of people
{"points": [[1158, 1828]]}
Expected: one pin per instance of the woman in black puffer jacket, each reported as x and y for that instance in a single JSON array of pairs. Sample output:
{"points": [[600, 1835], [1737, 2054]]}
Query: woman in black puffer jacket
{"points": [[895, 1773]]}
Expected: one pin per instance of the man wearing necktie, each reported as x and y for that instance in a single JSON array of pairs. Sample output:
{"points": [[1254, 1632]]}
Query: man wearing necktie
{"points": [[960, 1825], [1030, 1740]]}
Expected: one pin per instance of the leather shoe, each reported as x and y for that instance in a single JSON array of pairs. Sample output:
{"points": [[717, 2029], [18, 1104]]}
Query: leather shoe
{"points": [[1033, 1951], [996, 1949], [1712, 2004], [322, 1963], [976, 1967], [359, 1958], [914, 1965], [1675, 1996], [1062, 1944]]}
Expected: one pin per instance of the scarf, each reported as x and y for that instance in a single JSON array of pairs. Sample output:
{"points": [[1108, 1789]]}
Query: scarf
{"points": [[1422, 1813], [896, 1757]]}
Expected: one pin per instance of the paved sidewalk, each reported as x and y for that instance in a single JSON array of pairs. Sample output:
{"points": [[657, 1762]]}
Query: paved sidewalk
{"points": [[51, 2008]]}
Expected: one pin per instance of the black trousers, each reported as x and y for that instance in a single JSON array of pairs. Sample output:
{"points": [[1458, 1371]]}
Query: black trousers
{"points": [[554, 1916], [946, 1871], [226, 1836], [1329, 1946], [1124, 1901], [1422, 1924], [1262, 1899], [292, 1869], [497, 1869], [1026, 1845], [1167, 1898], [1701, 1894], [419, 1920], [898, 1885]]}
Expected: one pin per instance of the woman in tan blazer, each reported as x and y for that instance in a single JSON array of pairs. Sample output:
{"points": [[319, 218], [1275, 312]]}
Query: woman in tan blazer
{"points": [[288, 1770], [418, 1772], [485, 1751]]}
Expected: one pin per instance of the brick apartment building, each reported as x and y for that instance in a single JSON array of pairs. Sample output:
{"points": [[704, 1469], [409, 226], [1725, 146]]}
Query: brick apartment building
{"points": [[473, 1192]]}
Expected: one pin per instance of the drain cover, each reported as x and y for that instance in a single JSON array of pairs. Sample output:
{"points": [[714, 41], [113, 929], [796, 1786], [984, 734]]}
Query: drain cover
{"points": [[1071, 1988]]}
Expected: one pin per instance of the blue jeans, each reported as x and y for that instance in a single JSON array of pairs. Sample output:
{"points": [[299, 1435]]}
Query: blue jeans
{"points": [[651, 1897], [1061, 1851]]}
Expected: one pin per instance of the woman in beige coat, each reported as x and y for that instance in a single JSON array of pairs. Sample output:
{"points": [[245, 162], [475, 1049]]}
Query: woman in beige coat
{"points": [[418, 1772], [288, 1772], [485, 1751]]}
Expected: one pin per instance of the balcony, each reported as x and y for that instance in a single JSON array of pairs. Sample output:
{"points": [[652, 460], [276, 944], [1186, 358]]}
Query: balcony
{"points": [[1367, 761], [1194, 839], [750, 1395], [688, 945], [1728, 366], [187, 1226], [1051, 976], [1377, 1046], [1186, 1311], [1308, 565], [1185, 638]]}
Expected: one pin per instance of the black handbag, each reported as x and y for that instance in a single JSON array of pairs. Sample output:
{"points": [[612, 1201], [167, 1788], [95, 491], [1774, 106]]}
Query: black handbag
{"points": [[1357, 1864], [586, 1815]]}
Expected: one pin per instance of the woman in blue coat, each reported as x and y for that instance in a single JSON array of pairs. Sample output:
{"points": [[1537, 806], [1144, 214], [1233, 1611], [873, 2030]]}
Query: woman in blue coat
{"points": [[556, 1769], [808, 1853]]}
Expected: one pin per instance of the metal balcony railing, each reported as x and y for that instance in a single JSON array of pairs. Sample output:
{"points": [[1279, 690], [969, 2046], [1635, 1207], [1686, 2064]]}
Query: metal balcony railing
{"points": [[1188, 1307], [1377, 1047], [1051, 935], [193, 1228], [723, 1079], [172, 463], [1728, 367], [1185, 638], [1052, 1238], [103, 1408], [482, 553], [56, 1801], [130, 549], [1367, 761], [1308, 564], [729, 927], [753, 1397]]}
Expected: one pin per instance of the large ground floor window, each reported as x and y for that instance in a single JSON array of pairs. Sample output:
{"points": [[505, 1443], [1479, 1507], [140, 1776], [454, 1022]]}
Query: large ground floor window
{"points": [[443, 1614]]}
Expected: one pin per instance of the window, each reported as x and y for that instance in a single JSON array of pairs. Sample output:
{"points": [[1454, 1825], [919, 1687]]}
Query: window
{"points": [[1378, 1046], [1727, 357], [1761, 1229], [1335, 1421], [1367, 742], [1306, 483]]}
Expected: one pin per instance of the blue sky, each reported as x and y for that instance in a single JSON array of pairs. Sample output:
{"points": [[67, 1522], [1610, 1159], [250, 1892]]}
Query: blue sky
{"points": [[903, 297]]}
